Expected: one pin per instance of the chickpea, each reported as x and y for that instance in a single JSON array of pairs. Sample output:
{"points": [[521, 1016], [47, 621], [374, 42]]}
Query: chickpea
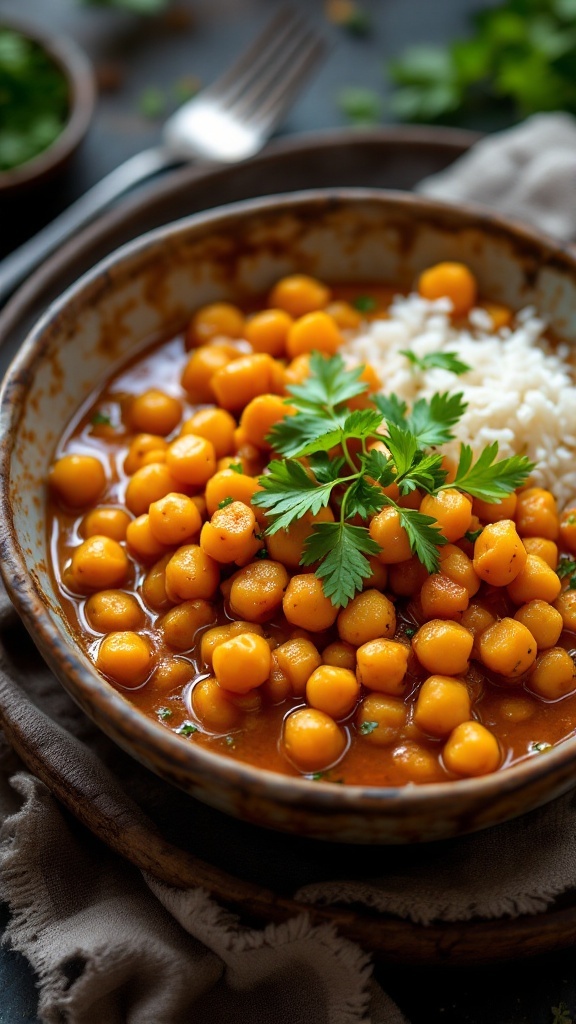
{"points": [[180, 625], [126, 657], [553, 675], [298, 370], [477, 618], [499, 554], [443, 647], [537, 581], [154, 585], [213, 708], [299, 294], [406, 578], [456, 564], [566, 605], [471, 750], [508, 648], [229, 484], [200, 369], [450, 280], [211, 639], [312, 740], [107, 522], [110, 611], [386, 529], [174, 518], [297, 659], [382, 666], [154, 412], [99, 563], [346, 317], [214, 425], [368, 616], [501, 316], [306, 605], [442, 598], [191, 460], [191, 574], [260, 415], [172, 674], [378, 578], [277, 687], [140, 448], [230, 534], [141, 541], [543, 621], [567, 529], [340, 654], [242, 663], [380, 719], [537, 514], [517, 709], [495, 511], [442, 704], [267, 331], [77, 479], [543, 547], [416, 763], [237, 383], [148, 484], [333, 690], [215, 320], [316, 331], [287, 546], [451, 509], [258, 590]]}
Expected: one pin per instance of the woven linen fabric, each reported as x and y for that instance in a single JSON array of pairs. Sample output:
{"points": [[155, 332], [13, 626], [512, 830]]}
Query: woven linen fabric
{"points": [[111, 946]]}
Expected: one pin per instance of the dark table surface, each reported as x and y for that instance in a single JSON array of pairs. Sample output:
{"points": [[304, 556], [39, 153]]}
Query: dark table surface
{"points": [[131, 55]]}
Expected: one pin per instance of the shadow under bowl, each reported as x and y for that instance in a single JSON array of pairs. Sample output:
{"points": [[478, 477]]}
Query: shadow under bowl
{"points": [[148, 290]]}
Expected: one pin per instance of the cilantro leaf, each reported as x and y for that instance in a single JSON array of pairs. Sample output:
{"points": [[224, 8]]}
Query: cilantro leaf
{"points": [[424, 536], [403, 447], [330, 384], [364, 303], [325, 468], [365, 728], [378, 467], [392, 409], [291, 435], [566, 567], [489, 480], [431, 422], [440, 360], [289, 492], [340, 549], [426, 473], [363, 499]]}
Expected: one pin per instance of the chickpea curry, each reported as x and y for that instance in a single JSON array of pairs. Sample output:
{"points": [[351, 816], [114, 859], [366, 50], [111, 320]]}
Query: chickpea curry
{"points": [[274, 558]]}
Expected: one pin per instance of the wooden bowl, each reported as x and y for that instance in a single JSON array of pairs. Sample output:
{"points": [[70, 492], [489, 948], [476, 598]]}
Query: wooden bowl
{"points": [[149, 288], [77, 72]]}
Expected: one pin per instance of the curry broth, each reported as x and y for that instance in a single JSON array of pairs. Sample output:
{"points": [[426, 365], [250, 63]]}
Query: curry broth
{"points": [[99, 430]]}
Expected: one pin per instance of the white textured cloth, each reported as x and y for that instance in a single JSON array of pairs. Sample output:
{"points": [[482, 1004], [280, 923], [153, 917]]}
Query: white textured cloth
{"points": [[110, 946]]}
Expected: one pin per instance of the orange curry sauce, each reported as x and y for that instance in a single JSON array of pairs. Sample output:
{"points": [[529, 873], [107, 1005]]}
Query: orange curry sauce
{"points": [[98, 429]]}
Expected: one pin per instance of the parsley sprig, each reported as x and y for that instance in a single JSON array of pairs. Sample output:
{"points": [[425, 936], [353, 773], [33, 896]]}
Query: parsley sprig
{"points": [[327, 458]]}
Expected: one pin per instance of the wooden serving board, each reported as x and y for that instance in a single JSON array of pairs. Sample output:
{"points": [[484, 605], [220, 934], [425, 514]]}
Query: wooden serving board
{"points": [[157, 828]]}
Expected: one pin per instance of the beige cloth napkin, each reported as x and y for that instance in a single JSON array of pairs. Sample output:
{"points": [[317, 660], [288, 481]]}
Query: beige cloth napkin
{"points": [[110, 946]]}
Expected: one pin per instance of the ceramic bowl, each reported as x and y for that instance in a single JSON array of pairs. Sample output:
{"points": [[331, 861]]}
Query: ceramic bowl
{"points": [[148, 289], [77, 71]]}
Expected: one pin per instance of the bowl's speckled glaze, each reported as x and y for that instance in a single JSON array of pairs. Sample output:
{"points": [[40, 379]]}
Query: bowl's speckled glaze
{"points": [[148, 289]]}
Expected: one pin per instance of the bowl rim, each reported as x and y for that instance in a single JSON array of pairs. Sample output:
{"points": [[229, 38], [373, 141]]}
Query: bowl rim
{"points": [[77, 70], [115, 712]]}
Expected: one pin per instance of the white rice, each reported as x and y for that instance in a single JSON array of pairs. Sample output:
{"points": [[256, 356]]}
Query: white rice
{"points": [[519, 391]]}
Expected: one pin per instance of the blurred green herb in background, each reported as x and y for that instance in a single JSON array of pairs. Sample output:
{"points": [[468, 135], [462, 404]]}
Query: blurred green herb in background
{"points": [[521, 55], [33, 99], [137, 6]]}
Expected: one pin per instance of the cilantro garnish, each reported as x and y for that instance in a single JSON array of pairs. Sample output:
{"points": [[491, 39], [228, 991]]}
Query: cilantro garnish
{"points": [[187, 729], [101, 419], [561, 1014], [225, 501], [438, 360], [566, 567], [410, 631], [236, 467], [163, 712], [310, 475], [366, 728], [540, 747], [472, 535], [364, 303]]}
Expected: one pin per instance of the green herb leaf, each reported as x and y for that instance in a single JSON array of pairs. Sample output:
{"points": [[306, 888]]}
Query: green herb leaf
{"points": [[164, 712], [566, 567], [236, 467], [489, 480], [364, 303], [430, 422], [472, 535], [540, 747], [289, 492], [361, 106], [377, 466], [187, 729], [424, 536], [101, 419], [440, 360], [363, 499], [340, 549], [410, 631], [292, 435], [330, 384], [366, 728], [225, 501]]}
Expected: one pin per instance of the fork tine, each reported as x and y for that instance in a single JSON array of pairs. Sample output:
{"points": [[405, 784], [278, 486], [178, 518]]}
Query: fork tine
{"points": [[264, 44], [273, 60], [268, 114]]}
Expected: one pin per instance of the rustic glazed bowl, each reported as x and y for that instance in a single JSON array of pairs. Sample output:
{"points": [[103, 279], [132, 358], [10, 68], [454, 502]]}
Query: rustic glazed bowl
{"points": [[77, 72], [148, 289]]}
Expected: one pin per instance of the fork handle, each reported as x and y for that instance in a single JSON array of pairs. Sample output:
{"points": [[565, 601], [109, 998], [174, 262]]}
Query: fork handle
{"points": [[20, 263]]}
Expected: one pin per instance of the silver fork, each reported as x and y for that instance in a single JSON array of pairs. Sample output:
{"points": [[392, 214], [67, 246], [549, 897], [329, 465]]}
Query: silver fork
{"points": [[229, 121]]}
